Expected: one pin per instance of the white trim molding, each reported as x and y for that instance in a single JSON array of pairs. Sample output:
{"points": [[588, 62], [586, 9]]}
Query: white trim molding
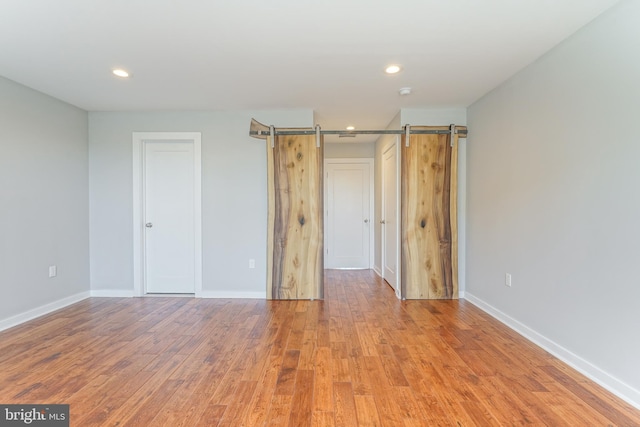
{"points": [[18, 319], [138, 197], [377, 270], [112, 293], [231, 295], [606, 380]]}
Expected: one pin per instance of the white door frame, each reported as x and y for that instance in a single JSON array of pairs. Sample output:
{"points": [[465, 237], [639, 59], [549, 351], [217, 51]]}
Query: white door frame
{"points": [[360, 160], [392, 146], [139, 138]]}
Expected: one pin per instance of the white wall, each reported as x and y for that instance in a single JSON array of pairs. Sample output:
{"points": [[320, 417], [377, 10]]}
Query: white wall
{"points": [[43, 202], [433, 116], [234, 195], [349, 150], [554, 199]]}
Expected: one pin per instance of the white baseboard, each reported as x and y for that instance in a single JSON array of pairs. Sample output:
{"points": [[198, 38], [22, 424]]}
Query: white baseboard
{"points": [[606, 380], [16, 320], [125, 293], [231, 295], [377, 270], [112, 293]]}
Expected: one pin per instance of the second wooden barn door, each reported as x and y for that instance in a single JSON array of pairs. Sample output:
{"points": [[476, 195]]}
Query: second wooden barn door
{"points": [[295, 220], [429, 261]]}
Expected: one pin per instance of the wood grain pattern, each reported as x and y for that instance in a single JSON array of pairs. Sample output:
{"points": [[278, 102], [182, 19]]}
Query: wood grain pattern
{"points": [[295, 220], [198, 362], [429, 263]]}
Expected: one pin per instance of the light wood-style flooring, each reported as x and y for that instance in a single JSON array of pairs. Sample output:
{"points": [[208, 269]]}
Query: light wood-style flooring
{"points": [[358, 358]]}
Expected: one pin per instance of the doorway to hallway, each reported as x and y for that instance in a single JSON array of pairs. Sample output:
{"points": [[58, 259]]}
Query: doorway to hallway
{"points": [[348, 213]]}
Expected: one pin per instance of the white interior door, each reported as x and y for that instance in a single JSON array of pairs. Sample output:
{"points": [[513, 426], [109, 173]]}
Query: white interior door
{"points": [[348, 203], [169, 216], [390, 216]]}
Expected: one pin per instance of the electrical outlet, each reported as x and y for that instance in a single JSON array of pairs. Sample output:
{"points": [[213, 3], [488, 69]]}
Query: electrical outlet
{"points": [[252, 263], [53, 271], [507, 279]]}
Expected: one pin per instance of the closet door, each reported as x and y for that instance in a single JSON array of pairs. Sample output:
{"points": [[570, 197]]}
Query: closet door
{"points": [[295, 220], [429, 261]]}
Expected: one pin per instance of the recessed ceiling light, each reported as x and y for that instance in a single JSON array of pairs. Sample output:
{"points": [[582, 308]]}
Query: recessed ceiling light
{"points": [[350, 127], [392, 69], [120, 72]]}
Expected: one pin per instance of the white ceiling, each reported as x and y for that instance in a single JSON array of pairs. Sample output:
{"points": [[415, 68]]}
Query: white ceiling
{"points": [[326, 55]]}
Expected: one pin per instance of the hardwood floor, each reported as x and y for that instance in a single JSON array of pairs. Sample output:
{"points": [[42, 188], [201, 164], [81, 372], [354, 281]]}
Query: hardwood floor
{"points": [[361, 357]]}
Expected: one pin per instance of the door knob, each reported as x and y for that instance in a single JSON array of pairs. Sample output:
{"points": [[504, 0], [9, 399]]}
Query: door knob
{"points": [[366, 221], [149, 225], [382, 221]]}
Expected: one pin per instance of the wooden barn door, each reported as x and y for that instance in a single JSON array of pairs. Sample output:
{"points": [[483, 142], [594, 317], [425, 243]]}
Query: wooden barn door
{"points": [[295, 220], [429, 257]]}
